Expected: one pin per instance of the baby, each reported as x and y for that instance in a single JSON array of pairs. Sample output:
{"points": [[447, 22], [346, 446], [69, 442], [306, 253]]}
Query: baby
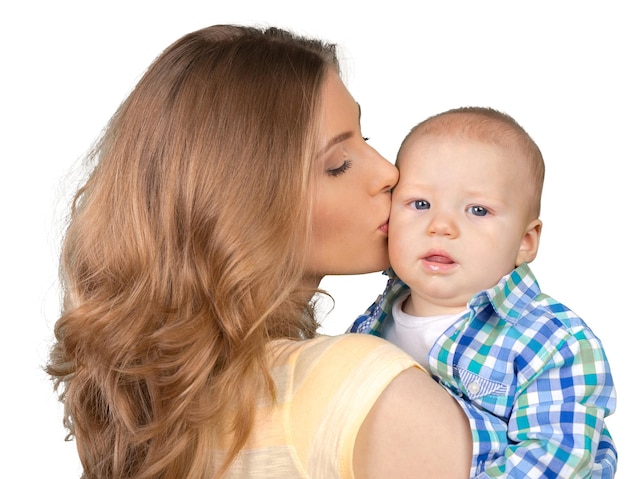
{"points": [[531, 376]]}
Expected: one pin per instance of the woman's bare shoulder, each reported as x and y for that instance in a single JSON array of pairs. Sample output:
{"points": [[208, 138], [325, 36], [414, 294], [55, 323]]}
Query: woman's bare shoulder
{"points": [[415, 429]]}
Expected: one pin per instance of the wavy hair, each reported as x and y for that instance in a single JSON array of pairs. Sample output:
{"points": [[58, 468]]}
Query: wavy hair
{"points": [[183, 255]]}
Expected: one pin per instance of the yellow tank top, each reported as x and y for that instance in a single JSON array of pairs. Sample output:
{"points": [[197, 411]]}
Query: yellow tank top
{"points": [[325, 389]]}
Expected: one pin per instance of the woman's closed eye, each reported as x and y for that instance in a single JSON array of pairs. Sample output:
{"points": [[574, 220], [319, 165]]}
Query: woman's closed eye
{"points": [[340, 169], [345, 166]]}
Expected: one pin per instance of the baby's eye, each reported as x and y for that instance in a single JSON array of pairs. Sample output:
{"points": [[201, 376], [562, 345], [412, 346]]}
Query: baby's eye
{"points": [[421, 204], [477, 210]]}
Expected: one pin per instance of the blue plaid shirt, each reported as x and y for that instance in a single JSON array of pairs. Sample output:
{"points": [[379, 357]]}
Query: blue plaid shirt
{"points": [[532, 378]]}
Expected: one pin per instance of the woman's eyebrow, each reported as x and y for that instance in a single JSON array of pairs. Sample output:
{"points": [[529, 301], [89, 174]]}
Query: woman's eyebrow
{"points": [[340, 137], [336, 139]]}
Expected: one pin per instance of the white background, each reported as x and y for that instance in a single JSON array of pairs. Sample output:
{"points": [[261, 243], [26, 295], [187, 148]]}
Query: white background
{"points": [[557, 67]]}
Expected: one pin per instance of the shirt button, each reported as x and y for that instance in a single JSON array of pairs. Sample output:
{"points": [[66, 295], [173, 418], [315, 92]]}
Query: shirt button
{"points": [[473, 388]]}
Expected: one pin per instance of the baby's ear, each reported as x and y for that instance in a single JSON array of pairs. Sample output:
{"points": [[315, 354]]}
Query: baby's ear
{"points": [[530, 243]]}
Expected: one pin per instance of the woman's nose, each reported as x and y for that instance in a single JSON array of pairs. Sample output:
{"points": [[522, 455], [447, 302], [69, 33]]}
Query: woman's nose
{"points": [[385, 175]]}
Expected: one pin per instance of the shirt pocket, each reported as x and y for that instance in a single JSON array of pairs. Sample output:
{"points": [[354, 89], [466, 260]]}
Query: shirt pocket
{"points": [[493, 396]]}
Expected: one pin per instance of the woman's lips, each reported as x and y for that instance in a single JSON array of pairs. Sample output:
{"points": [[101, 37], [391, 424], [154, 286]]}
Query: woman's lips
{"points": [[384, 227]]}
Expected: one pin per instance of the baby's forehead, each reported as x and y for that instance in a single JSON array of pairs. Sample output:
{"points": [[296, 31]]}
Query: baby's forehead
{"points": [[445, 155], [460, 145], [469, 128]]}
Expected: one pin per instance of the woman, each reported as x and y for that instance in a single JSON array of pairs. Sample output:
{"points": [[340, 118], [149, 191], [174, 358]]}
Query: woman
{"points": [[230, 181]]}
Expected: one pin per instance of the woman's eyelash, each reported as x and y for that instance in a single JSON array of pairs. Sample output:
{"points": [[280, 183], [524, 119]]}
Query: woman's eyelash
{"points": [[366, 138], [342, 169]]}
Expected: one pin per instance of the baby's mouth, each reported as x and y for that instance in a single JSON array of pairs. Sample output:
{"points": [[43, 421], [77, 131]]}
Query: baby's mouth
{"points": [[438, 259]]}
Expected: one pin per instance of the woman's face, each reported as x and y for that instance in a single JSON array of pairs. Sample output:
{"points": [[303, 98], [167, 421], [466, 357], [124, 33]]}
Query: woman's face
{"points": [[353, 196]]}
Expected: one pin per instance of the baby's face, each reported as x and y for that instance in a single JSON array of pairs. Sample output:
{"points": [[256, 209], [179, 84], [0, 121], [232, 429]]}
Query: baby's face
{"points": [[459, 221]]}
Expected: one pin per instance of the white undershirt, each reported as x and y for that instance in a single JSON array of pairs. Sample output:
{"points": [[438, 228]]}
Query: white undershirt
{"points": [[415, 334]]}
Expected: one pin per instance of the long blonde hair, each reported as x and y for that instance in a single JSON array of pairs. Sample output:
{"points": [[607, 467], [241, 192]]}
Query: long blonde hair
{"points": [[183, 256]]}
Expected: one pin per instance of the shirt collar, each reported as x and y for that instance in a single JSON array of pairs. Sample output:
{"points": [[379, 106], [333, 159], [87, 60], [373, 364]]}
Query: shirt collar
{"points": [[511, 296]]}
